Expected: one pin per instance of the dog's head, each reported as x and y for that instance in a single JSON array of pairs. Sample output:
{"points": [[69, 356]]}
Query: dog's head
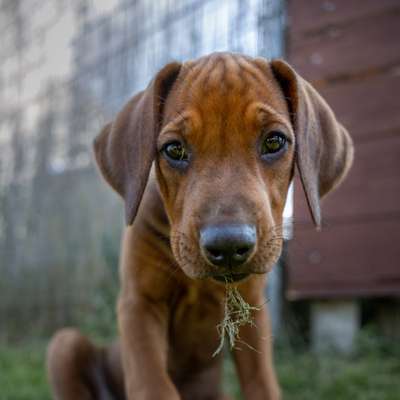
{"points": [[225, 132]]}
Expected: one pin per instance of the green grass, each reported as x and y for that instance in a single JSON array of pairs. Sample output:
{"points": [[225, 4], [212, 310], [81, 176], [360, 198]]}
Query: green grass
{"points": [[371, 373], [22, 372], [330, 377]]}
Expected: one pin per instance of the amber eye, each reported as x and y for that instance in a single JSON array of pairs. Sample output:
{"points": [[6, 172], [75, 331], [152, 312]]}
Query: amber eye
{"points": [[175, 151], [273, 143]]}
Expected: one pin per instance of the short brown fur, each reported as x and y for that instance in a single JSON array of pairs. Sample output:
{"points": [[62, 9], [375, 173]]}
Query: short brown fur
{"points": [[221, 106]]}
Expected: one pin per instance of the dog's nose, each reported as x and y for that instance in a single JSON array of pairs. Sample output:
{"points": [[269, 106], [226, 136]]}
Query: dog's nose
{"points": [[228, 245]]}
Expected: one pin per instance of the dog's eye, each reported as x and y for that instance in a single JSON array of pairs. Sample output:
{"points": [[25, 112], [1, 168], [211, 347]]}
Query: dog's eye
{"points": [[273, 143], [175, 151]]}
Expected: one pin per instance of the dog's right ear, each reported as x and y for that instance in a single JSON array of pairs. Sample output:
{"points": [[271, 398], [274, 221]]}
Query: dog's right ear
{"points": [[125, 148]]}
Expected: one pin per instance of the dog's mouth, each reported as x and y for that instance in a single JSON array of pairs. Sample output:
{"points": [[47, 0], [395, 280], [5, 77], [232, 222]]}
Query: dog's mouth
{"points": [[230, 278]]}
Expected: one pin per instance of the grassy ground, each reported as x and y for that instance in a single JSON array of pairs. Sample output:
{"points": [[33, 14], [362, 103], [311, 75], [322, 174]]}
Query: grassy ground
{"points": [[22, 374], [371, 373]]}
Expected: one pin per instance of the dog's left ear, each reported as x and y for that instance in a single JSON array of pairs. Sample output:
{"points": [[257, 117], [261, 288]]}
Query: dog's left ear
{"points": [[125, 148], [324, 151]]}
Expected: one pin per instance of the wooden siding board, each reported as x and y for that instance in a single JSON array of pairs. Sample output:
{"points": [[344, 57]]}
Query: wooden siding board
{"points": [[356, 254], [371, 188], [367, 108], [364, 45], [313, 15], [346, 258]]}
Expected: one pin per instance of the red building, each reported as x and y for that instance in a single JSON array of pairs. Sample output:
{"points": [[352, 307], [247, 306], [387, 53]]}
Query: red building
{"points": [[350, 51]]}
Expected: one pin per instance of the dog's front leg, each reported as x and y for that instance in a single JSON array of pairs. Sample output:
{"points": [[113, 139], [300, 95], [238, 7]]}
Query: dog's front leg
{"points": [[143, 328], [254, 363]]}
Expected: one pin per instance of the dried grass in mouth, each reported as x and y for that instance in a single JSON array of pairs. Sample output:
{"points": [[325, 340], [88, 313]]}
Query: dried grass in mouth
{"points": [[237, 312]]}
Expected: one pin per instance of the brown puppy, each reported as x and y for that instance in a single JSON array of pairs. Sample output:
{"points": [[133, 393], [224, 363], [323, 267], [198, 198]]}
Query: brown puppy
{"points": [[223, 133]]}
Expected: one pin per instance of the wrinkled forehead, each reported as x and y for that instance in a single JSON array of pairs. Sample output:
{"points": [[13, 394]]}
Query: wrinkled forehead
{"points": [[227, 89]]}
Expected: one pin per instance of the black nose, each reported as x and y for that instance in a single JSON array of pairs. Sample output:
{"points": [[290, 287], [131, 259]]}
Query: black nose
{"points": [[228, 245]]}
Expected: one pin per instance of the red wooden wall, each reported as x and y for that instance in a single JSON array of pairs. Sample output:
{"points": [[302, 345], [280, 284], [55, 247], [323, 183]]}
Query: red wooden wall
{"points": [[350, 51]]}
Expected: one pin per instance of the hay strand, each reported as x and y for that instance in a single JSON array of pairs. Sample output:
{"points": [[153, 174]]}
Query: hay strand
{"points": [[237, 312]]}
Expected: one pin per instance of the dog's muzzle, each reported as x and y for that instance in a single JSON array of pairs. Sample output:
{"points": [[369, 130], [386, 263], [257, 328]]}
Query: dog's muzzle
{"points": [[228, 245]]}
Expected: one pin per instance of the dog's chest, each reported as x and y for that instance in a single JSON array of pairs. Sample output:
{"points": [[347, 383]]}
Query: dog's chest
{"points": [[197, 311]]}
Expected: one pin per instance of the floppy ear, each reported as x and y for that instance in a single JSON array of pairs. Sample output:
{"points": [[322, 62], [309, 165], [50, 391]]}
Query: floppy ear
{"points": [[324, 150], [125, 148]]}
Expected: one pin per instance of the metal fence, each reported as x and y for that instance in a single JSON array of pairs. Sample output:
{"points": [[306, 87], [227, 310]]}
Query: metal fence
{"points": [[66, 68]]}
